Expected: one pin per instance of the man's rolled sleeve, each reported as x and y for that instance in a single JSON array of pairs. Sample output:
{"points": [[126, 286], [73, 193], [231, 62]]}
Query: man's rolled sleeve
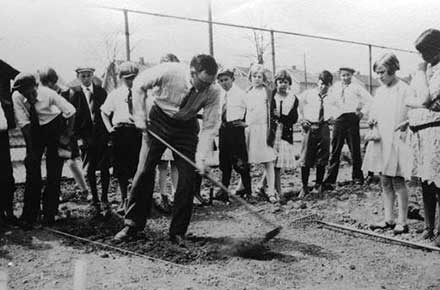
{"points": [[144, 82], [210, 124], [20, 112], [366, 100], [66, 108]]}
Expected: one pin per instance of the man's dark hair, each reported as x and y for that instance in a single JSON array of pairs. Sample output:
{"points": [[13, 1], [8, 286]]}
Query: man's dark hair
{"points": [[204, 62], [326, 77]]}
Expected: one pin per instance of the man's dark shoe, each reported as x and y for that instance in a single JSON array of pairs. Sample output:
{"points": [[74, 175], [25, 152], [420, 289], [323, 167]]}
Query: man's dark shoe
{"points": [[222, 196], [199, 197], [178, 240], [328, 186], [125, 234], [303, 192], [48, 221], [11, 220], [26, 225]]}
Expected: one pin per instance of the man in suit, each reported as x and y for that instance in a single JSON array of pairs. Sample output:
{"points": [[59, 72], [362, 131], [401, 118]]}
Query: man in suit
{"points": [[7, 183], [92, 136]]}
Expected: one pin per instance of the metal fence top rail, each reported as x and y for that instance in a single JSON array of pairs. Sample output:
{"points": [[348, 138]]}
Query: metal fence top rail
{"points": [[255, 28]]}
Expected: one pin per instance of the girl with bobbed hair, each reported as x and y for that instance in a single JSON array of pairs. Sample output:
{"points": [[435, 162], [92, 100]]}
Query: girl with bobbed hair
{"points": [[261, 122], [387, 112]]}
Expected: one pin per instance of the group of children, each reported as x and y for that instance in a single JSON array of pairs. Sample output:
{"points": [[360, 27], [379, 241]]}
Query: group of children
{"points": [[85, 126]]}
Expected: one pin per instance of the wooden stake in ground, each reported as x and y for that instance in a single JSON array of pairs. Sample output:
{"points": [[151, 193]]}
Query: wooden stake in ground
{"points": [[80, 275], [3, 280]]}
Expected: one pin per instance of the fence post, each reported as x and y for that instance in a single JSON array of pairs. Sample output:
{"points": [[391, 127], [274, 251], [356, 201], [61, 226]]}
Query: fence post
{"points": [[211, 38], [272, 42], [127, 35], [370, 81]]}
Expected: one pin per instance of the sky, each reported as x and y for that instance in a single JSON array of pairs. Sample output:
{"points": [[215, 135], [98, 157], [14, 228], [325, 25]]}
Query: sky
{"points": [[67, 34]]}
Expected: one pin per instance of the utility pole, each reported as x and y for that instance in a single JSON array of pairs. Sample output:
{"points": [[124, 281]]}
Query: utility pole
{"points": [[305, 70], [211, 39], [127, 35], [272, 43]]}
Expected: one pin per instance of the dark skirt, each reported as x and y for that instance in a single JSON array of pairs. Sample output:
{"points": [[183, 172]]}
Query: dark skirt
{"points": [[126, 141]]}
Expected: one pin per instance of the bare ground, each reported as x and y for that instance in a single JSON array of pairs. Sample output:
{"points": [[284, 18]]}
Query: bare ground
{"points": [[303, 256]]}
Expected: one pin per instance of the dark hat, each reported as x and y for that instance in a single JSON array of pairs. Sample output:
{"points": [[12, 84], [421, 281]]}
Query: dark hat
{"points": [[85, 69], [226, 71], [24, 80], [128, 70], [346, 68], [429, 39]]}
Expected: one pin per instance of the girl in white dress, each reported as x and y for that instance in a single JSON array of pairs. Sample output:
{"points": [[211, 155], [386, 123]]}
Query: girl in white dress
{"points": [[258, 118], [389, 110]]}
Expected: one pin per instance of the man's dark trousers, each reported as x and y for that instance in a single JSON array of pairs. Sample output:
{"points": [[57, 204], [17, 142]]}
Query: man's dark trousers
{"points": [[183, 136], [7, 183], [346, 129], [48, 139], [233, 154]]}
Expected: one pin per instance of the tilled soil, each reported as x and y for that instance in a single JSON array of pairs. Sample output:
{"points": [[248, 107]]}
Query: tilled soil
{"points": [[224, 250]]}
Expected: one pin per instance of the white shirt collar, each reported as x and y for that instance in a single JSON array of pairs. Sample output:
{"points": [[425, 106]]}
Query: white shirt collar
{"points": [[84, 88]]}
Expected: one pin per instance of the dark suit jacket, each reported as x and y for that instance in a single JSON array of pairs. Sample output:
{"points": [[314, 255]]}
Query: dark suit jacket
{"points": [[91, 131], [287, 121]]}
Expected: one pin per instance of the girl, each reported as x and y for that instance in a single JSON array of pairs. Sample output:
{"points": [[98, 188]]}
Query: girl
{"points": [[389, 110], [284, 109], [260, 121]]}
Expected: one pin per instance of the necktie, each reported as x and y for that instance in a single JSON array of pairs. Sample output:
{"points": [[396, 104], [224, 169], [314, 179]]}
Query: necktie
{"points": [[90, 103], [35, 123], [224, 108], [281, 108], [343, 93], [321, 109], [130, 102], [187, 108]]}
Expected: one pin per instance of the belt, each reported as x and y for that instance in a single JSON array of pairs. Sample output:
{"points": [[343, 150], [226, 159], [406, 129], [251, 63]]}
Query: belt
{"points": [[424, 126], [125, 125], [235, 123]]}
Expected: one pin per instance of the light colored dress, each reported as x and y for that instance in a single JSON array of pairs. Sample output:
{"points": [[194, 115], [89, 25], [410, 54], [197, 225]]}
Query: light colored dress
{"points": [[285, 153], [389, 110], [256, 118], [425, 144]]}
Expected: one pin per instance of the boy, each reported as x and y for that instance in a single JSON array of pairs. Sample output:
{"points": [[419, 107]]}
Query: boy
{"points": [[92, 136], [40, 113], [351, 102], [126, 138], [315, 114], [232, 141]]}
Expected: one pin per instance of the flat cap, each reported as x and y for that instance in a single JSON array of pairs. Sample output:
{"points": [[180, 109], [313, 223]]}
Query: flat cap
{"points": [[226, 71], [347, 68], [128, 70], [23, 80], [84, 69], [429, 39]]}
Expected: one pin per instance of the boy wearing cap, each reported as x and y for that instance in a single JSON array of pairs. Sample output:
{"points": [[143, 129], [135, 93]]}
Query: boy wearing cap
{"points": [[351, 102], [126, 138], [232, 141], [7, 182], [92, 136], [40, 113]]}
